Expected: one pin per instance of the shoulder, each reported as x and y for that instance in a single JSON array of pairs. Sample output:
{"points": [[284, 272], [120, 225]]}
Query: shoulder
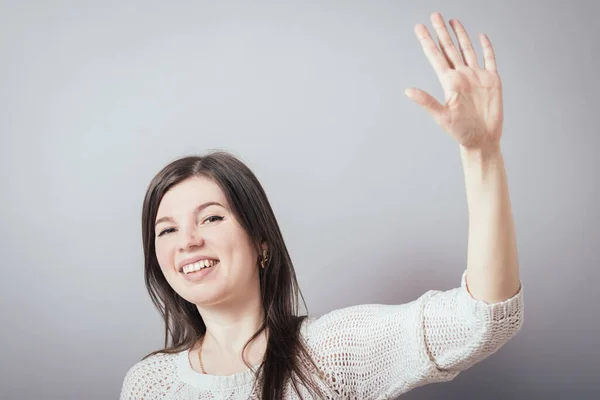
{"points": [[151, 377]]}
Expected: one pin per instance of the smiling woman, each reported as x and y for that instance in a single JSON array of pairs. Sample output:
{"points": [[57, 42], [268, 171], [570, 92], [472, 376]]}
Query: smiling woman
{"points": [[195, 237], [217, 268], [219, 271]]}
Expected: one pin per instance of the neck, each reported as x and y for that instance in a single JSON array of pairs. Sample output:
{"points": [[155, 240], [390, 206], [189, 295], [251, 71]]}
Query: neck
{"points": [[230, 326]]}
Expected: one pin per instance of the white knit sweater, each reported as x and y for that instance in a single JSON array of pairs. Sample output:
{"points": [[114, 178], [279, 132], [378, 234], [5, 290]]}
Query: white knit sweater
{"points": [[370, 351]]}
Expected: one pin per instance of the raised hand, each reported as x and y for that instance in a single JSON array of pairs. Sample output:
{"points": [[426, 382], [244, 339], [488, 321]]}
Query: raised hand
{"points": [[473, 110]]}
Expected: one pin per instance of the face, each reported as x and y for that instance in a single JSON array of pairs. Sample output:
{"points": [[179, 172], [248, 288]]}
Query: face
{"points": [[194, 219]]}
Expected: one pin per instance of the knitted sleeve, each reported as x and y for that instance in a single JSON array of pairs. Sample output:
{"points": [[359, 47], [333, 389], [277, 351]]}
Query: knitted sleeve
{"points": [[380, 351]]}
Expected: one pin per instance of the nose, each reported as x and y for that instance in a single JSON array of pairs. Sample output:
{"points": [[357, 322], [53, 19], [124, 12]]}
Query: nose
{"points": [[191, 239]]}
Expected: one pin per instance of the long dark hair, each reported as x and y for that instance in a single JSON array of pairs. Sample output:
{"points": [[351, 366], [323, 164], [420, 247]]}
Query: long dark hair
{"points": [[286, 358]]}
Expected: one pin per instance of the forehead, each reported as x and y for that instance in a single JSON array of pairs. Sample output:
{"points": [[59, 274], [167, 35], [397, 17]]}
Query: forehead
{"points": [[188, 194]]}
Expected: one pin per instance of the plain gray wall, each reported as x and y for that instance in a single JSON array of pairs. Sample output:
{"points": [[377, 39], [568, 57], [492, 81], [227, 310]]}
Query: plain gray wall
{"points": [[95, 97]]}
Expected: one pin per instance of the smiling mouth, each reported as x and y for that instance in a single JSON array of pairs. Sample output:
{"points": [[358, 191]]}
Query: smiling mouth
{"points": [[200, 265]]}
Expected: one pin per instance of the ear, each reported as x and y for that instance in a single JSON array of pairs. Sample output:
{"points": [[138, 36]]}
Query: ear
{"points": [[264, 246], [260, 247]]}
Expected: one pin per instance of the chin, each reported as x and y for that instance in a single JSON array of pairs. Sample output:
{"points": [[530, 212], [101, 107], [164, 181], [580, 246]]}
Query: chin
{"points": [[209, 294]]}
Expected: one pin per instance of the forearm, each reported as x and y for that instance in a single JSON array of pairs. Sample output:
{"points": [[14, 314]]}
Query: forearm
{"points": [[492, 262]]}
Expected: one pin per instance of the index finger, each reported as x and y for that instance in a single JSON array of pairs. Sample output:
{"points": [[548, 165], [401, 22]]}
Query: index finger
{"points": [[434, 55]]}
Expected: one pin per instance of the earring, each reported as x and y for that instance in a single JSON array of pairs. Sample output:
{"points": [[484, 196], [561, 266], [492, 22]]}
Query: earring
{"points": [[264, 258]]}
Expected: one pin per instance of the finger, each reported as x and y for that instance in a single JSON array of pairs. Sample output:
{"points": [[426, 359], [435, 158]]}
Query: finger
{"points": [[445, 39], [489, 57], [433, 54], [466, 48], [427, 101], [450, 63]]}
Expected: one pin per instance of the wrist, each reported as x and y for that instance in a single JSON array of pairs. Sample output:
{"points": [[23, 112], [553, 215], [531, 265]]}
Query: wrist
{"points": [[482, 165], [487, 151], [480, 157]]}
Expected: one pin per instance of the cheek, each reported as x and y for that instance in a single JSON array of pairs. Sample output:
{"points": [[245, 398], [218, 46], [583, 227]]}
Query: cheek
{"points": [[163, 256], [243, 252], [235, 248]]}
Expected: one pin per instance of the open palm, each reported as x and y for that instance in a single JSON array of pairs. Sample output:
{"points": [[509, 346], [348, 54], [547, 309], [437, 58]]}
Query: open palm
{"points": [[473, 110]]}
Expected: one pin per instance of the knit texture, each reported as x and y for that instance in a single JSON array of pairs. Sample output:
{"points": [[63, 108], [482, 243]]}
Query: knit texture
{"points": [[372, 351]]}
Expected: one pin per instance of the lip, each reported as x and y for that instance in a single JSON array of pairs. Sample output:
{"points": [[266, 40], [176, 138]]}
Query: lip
{"points": [[192, 260], [199, 275]]}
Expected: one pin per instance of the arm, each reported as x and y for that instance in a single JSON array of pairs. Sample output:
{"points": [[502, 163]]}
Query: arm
{"points": [[377, 351], [473, 116], [492, 266]]}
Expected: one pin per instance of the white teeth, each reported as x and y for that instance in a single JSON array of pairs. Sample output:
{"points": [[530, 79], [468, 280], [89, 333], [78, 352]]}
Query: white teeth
{"points": [[197, 266]]}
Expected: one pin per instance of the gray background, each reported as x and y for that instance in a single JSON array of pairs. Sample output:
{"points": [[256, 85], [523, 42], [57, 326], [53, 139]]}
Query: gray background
{"points": [[95, 97]]}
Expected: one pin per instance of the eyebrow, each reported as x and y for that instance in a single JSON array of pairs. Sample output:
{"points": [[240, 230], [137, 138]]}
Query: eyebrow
{"points": [[196, 211]]}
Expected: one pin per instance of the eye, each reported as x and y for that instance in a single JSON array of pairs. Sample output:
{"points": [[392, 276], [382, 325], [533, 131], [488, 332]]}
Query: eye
{"points": [[213, 218], [168, 230]]}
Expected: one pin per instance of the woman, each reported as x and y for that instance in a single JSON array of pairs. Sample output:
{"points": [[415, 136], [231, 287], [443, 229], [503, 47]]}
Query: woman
{"points": [[217, 268]]}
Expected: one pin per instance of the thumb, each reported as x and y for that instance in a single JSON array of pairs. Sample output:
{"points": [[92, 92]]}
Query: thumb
{"points": [[427, 101]]}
